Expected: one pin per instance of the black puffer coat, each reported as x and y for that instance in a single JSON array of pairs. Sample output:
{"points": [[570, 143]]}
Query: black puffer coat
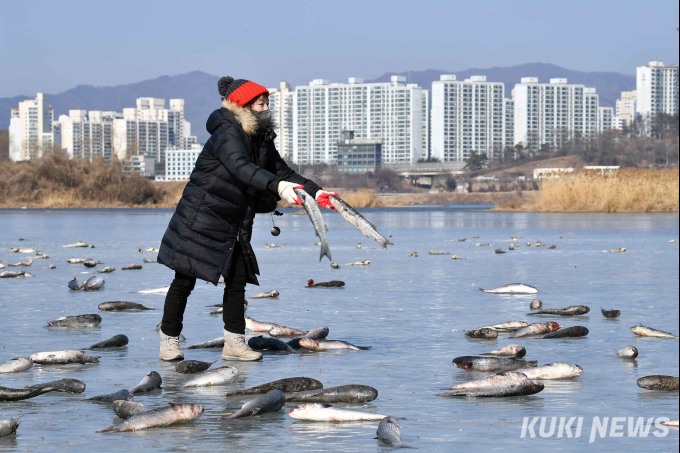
{"points": [[236, 176]]}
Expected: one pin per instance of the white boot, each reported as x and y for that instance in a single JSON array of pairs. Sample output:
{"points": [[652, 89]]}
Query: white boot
{"points": [[236, 348], [170, 348]]}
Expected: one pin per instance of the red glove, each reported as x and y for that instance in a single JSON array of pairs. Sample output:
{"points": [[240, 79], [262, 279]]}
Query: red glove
{"points": [[323, 200]]}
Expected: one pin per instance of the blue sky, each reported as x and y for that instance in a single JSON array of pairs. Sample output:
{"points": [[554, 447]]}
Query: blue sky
{"points": [[52, 46]]}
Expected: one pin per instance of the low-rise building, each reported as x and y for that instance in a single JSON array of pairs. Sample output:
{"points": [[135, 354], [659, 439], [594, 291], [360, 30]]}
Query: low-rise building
{"points": [[358, 155], [180, 163], [141, 165]]}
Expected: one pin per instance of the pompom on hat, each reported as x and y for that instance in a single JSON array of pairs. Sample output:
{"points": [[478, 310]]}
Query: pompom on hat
{"points": [[240, 92]]}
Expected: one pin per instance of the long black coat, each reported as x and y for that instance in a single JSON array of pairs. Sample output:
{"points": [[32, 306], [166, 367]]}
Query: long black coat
{"points": [[236, 176]]}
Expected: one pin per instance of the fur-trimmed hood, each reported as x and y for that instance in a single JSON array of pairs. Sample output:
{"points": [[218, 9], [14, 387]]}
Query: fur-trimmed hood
{"points": [[244, 116]]}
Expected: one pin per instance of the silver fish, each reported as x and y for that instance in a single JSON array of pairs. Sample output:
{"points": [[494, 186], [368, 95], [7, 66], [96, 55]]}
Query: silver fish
{"points": [[270, 295], [76, 285], [497, 386], [514, 288], [492, 363], [573, 310], [176, 414], [62, 358], [121, 306], [160, 291], [16, 366], [23, 251], [350, 394], [16, 274], [553, 371], [326, 413], [257, 326], [151, 382], [218, 376], [332, 345], [271, 402], [389, 432], [354, 218], [133, 267], [106, 270], [629, 352], [78, 244], [212, 344], [116, 342], [283, 331], [74, 322], [9, 427], [512, 326], [120, 395], [73, 386], [127, 409], [314, 213], [513, 350], [94, 284], [643, 331]]}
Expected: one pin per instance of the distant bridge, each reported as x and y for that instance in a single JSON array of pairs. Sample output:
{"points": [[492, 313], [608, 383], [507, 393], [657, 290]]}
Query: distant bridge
{"points": [[427, 169]]}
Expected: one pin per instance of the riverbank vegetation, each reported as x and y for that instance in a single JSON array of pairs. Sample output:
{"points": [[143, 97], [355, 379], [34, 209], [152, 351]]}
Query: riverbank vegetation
{"points": [[629, 190]]}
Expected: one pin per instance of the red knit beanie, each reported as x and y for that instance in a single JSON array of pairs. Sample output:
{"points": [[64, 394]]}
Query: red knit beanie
{"points": [[241, 92]]}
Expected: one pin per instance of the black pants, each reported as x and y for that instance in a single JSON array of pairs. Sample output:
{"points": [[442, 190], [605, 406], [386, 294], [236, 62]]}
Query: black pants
{"points": [[234, 298]]}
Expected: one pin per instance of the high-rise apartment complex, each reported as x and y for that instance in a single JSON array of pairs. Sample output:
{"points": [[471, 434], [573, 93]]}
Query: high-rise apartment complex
{"points": [[605, 119], [391, 112], [30, 129], [180, 163], [467, 116], [509, 121], [88, 136], [657, 89], [550, 114], [281, 104]]}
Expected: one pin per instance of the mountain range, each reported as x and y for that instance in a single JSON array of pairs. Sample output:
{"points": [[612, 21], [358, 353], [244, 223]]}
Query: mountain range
{"points": [[199, 90]]}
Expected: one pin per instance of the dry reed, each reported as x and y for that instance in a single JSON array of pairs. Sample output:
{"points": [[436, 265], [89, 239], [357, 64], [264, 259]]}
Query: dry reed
{"points": [[624, 191]]}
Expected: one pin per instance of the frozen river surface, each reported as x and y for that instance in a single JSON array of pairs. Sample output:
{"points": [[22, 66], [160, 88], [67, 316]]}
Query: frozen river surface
{"points": [[413, 311]]}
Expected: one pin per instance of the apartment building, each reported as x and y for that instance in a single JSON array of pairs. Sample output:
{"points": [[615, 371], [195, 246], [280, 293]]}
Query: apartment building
{"points": [[391, 112], [550, 114], [150, 129], [509, 122], [180, 162], [31, 131], [626, 109], [657, 89], [88, 135], [281, 105], [605, 119], [467, 116]]}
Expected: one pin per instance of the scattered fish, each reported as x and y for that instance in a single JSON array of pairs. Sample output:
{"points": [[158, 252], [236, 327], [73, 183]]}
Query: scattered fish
{"points": [[621, 250], [536, 304], [153, 250], [479, 244], [115, 342], [500, 251], [9, 427], [176, 414], [331, 284], [78, 244], [456, 257], [335, 266], [50, 267], [257, 326], [513, 247], [538, 328], [643, 331], [672, 423], [514, 288], [665, 383], [90, 263], [498, 386], [317, 412], [274, 246], [359, 263], [127, 409], [122, 306], [151, 382], [552, 247], [316, 334], [62, 358], [289, 385], [271, 402], [120, 395], [484, 334], [332, 345], [314, 213], [611, 314], [350, 394], [133, 267], [16, 274], [212, 344], [568, 332], [270, 295], [629, 352], [495, 364], [76, 285], [268, 344], [26, 263], [77, 260], [10, 395], [218, 376], [106, 270], [23, 251], [94, 284], [2, 266], [512, 326], [72, 386], [75, 322], [513, 350], [389, 433], [553, 371], [437, 253], [148, 261], [355, 218], [573, 310], [413, 255], [283, 331], [16, 366], [192, 366], [457, 240]]}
